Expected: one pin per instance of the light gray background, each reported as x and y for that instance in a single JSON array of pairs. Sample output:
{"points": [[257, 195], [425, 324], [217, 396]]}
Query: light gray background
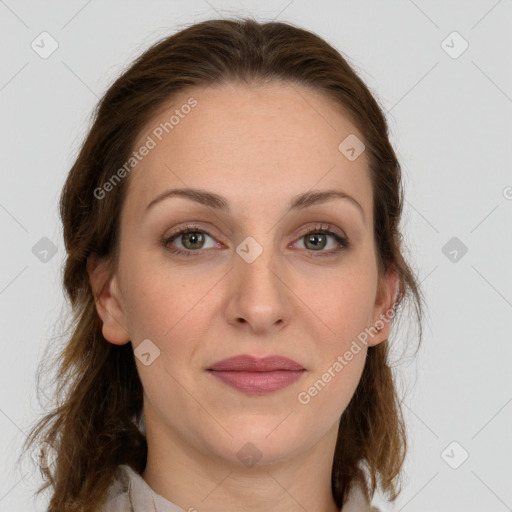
{"points": [[450, 120]]}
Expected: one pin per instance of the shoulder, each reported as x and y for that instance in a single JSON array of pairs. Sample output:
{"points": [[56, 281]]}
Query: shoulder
{"points": [[118, 494], [129, 492], [356, 501]]}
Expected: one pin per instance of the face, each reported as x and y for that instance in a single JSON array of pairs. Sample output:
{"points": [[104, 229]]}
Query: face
{"points": [[248, 278]]}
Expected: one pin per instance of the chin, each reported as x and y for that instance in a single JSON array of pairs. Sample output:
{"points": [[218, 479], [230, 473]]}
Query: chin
{"points": [[261, 443]]}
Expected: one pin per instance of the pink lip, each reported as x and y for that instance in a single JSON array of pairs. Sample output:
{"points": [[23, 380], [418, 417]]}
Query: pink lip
{"points": [[257, 376], [246, 363]]}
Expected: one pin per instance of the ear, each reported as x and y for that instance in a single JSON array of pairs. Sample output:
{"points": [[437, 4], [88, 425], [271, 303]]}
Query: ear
{"points": [[107, 297], [383, 310]]}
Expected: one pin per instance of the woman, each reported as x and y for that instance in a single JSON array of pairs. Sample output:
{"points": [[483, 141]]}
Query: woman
{"points": [[234, 264]]}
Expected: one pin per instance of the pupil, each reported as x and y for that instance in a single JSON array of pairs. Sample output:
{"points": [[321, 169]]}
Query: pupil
{"points": [[314, 240], [195, 237]]}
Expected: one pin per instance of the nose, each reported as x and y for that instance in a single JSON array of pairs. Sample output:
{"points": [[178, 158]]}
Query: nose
{"points": [[259, 298]]}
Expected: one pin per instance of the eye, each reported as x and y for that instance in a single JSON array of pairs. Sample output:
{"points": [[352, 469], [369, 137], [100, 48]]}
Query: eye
{"points": [[316, 237], [192, 239]]}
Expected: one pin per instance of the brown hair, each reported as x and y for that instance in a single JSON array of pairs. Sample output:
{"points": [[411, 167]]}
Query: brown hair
{"points": [[94, 426]]}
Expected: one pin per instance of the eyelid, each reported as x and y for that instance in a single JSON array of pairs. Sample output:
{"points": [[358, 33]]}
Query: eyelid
{"points": [[191, 226], [188, 228], [329, 230], [319, 227]]}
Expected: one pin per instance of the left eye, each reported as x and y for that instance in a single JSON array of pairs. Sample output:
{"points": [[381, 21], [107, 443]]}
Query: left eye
{"points": [[317, 239], [193, 238]]}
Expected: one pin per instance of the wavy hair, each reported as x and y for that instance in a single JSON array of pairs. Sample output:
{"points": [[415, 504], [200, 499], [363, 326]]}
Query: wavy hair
{"points": [[94, 423]]}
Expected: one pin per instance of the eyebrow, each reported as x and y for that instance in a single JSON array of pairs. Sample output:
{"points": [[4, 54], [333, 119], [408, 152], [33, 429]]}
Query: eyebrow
{"points": [[299, 202]]}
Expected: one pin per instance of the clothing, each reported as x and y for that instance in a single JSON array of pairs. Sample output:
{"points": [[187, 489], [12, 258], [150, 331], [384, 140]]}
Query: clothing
{"points": [[129, 492]]}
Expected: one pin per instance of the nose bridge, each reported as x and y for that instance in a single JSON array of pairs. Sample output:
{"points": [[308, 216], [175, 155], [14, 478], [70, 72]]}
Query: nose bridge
{"points": [[259, 295], [256, 261]]}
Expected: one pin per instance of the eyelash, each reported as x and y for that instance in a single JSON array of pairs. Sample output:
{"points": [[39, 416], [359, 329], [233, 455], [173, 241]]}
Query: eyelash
{"points": [[327, 230]]}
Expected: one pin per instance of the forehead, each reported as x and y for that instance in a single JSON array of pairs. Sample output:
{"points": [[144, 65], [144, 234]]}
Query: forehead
{"points": [[261, 143]]}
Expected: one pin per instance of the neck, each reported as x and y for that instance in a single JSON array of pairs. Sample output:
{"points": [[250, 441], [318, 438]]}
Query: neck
{"points": [[197, 479]]}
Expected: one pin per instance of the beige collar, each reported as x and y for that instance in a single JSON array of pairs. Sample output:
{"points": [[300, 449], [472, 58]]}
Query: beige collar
{"points": [[130, 493]]}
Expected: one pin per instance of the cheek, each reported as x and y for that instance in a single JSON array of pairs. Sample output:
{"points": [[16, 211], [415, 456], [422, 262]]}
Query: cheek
{"points": [[169, 314], [161, 301], [344, 306], [171, 311], [327, 394]]}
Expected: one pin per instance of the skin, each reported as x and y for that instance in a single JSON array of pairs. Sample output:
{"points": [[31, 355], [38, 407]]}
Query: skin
{"points": [[258, 146]]}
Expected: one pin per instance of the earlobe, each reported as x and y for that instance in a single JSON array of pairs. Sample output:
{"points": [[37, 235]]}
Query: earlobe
{"points": [[107, 298], [384, 307]]}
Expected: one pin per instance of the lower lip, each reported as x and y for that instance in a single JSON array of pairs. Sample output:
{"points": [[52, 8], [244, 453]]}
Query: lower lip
{"points": [[258, 383]]}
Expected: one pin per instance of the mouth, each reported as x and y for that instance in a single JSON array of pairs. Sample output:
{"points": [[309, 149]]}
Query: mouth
{"points": [[257, 376]]}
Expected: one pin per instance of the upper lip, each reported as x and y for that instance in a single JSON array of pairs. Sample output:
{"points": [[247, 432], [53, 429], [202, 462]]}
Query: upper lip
{"points": [[247, 363]]}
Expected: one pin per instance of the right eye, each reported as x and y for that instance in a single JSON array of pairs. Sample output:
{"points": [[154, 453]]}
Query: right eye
{"points": [[192, 236]]}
